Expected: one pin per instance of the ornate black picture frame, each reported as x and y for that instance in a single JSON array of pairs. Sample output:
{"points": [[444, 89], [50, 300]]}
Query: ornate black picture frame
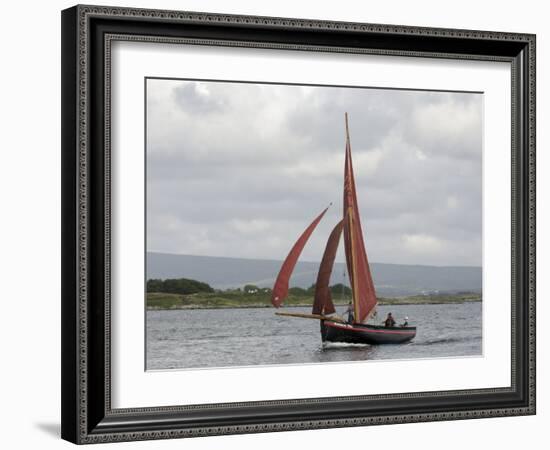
{"points": [[87, 34]]}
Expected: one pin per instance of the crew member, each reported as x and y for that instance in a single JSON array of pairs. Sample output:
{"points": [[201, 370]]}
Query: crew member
{"points": [[349, 311], [389, 322]]}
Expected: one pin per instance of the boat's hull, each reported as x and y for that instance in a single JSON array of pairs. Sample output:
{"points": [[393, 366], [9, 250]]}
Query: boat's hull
{"points": [[365, 334]]}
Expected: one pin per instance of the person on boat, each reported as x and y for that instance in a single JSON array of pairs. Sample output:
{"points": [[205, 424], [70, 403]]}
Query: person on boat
{"points": [[390, 321], [349, 312], [406, 323]]}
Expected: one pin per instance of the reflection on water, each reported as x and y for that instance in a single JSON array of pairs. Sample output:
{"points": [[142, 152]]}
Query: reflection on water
{"points": [[181, 339]]}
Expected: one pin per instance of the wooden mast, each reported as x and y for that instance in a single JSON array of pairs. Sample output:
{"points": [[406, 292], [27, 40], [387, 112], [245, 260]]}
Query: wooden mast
{"points": [[350, 222], [364, 295], [354, 275]]}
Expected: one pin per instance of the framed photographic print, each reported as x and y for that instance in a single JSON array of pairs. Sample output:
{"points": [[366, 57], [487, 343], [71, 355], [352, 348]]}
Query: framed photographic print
{"points": [[278, 224]]}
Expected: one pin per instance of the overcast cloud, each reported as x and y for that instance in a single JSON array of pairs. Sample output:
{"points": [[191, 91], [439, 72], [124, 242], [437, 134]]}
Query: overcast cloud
{"points": [[237, 169]]}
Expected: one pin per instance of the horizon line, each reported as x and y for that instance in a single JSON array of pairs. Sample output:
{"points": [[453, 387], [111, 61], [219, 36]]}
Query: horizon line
{"points": [[313, 262]]}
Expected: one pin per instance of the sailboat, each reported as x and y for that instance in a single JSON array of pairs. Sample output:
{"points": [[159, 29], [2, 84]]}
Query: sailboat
{"points": [[364, 301]]}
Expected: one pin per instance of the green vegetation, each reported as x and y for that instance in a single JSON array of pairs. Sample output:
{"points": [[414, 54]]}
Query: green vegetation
{"points": [[156, 300], [431, 299], [254, 297], [178, 286]]}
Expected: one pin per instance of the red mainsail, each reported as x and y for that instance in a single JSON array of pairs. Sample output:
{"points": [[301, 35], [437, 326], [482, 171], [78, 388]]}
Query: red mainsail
{"points": [[280, 289], [364, 295], [323, 298]]}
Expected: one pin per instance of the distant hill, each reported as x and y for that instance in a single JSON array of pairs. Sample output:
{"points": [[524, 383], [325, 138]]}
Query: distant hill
{"points": [[390, 280]]}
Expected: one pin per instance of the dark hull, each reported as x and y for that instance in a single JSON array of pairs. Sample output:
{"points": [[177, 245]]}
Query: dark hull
{"points": [[365, 334]]}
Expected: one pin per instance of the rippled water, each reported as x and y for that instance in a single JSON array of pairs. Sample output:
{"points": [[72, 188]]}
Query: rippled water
{"points": [[180, 339]]}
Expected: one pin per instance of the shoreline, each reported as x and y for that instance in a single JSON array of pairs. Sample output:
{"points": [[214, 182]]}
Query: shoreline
{"points": [[397, 302]]}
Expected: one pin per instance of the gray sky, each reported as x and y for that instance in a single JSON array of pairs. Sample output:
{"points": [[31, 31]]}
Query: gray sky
{"points": [[239, 169]]}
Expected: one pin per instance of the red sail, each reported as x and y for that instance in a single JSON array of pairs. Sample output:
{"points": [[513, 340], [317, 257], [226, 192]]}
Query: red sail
{"points": [[323, 299], [364, 295], [280, 289]]}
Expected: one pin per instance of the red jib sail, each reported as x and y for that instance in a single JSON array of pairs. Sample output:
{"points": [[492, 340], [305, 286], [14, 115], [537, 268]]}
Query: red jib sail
{"points": [[323, 298], [280, 289], [364, 295]]}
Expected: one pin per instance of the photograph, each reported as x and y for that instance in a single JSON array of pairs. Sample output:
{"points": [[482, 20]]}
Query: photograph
{"points": [[310, 224], [279, 223]]}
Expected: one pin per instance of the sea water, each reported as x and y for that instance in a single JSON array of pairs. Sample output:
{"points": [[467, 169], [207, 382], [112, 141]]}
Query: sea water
{"points": [[184, 339]]}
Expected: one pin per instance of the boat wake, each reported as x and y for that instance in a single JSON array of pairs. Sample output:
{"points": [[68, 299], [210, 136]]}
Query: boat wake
{"points": [[441, 341], [335, 345]]}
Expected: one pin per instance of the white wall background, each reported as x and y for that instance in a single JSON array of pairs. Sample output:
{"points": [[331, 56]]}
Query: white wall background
{"points": [[30, 222]]}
